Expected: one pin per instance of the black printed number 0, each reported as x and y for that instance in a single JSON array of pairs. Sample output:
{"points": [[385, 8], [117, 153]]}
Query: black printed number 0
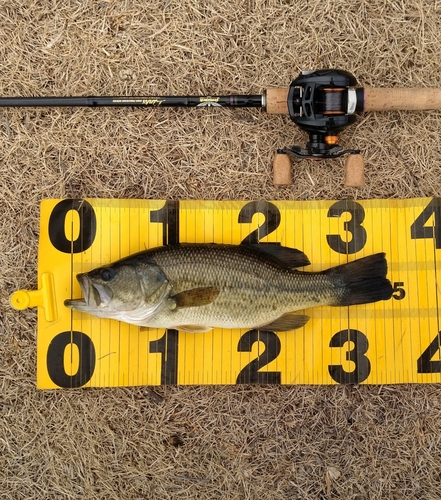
{"points": [[87, 231], [55, 359]]}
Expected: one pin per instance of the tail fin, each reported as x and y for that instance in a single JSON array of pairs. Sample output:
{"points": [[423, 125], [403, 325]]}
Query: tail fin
{"points": [[362, 281]]}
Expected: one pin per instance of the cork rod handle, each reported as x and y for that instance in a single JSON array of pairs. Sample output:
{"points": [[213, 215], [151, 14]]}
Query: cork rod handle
{"points": [[412, 99], [277, 101], [375, 99]]}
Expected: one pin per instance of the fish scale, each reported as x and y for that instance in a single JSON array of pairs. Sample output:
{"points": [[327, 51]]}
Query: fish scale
{"points": [[251, 288], [195, 287]]}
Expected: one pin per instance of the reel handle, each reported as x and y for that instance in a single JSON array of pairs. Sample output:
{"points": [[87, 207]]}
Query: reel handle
{"points": [[354, 170], [403, 99]]}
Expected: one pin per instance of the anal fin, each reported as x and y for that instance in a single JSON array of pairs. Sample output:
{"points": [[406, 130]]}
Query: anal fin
{"points": [[287, 322], [194, 328], [182, 328]]}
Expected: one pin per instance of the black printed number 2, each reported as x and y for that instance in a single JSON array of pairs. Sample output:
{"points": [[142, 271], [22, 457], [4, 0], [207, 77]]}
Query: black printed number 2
{"points": [[250, 374], [272, 220]]}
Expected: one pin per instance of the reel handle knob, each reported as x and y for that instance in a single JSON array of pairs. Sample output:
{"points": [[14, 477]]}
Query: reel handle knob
{"points": [[354, 171], [282, 170]]}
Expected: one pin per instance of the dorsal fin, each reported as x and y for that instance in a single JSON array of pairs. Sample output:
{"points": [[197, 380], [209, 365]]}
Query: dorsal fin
{"points": [[286, 257]]}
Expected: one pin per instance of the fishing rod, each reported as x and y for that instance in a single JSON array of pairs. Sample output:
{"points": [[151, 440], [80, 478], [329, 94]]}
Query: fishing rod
{"points": [[322, 103]]}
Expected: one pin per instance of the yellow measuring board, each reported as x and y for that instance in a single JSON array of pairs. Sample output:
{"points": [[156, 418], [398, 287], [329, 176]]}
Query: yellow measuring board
{"points": [[394, 341]]}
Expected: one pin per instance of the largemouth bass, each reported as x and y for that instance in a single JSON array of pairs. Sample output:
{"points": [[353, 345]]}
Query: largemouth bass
{"points": [[196, 287]]}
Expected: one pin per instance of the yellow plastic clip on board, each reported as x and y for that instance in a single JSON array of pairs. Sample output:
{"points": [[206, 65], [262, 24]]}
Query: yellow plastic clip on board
{"points": [[394, 341], [44, 298]]}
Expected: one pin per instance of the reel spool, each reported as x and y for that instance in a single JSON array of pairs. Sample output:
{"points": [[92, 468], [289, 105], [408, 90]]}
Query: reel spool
{"points": [[322, 103]]}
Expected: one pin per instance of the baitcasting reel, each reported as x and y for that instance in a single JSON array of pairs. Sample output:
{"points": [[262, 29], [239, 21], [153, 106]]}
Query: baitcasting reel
{"points": [[322, 103]]}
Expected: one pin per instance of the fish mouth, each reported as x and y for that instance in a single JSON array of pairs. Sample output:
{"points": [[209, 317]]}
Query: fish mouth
{"points": [[95, 295]]}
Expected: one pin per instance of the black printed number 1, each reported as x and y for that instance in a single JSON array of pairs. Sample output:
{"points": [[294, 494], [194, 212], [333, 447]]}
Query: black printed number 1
{"points": [[167, 345], [168, 216]]}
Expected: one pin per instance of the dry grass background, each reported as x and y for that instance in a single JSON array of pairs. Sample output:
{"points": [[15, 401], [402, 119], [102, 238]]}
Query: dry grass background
{"points": [[204, 442]]}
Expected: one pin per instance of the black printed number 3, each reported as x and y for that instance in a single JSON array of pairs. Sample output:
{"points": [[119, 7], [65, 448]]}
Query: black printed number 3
{"points": [[358, 232], [356, 355]]}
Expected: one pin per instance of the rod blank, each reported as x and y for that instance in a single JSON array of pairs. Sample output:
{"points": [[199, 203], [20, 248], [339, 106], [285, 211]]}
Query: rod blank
{"points": [[240, 101]]}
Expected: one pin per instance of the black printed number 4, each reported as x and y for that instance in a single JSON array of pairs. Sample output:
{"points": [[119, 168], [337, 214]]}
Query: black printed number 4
{"points": [[425, 363], [422, 228], [428, 225]]}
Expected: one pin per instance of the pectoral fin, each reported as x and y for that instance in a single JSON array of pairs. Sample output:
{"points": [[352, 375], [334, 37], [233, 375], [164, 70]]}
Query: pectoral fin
{"points": [[196, 297], [289, 321]]}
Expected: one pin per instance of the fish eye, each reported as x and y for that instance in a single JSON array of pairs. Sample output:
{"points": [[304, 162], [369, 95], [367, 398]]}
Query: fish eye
{"points": [[107, 274]]}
